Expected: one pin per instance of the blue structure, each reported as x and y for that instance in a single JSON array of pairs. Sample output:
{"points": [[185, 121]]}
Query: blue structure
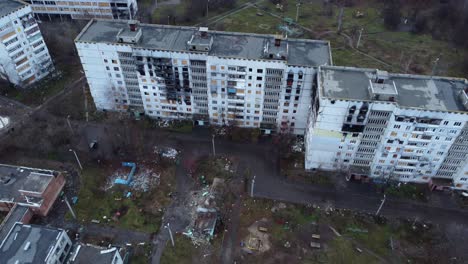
{"points": [[130, 175]]}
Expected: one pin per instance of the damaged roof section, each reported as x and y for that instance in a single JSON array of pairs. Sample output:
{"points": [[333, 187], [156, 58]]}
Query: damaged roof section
{"points": [[416, 91]]}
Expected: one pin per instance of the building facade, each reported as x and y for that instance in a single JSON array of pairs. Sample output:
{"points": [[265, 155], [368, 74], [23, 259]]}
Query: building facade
{"points": [[84, 9], [24, 57], [221, 78], [372, 124]]}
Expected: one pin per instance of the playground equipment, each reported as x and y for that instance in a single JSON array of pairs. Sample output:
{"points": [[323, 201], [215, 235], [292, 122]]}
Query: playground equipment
{"points": [[127, 181]]}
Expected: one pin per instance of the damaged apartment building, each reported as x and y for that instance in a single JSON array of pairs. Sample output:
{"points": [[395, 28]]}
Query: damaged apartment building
{"points": [[376, 125], [24, 57], [84, 9], [220, 78]]}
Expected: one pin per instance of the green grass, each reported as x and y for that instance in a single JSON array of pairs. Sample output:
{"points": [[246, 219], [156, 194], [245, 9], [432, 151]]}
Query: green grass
{"points": [[393, 47], [212, 168], [44, 89], [182, 253], [410, 191], [94, 203], [343, 251]]}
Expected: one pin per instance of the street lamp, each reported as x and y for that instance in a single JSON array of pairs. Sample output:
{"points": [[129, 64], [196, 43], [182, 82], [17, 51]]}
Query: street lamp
{"points": [[77, 159], [380, 207], [170, 233], [213, 143]]}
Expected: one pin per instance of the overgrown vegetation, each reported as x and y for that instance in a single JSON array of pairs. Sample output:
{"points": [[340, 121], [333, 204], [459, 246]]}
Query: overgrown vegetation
{"points": [[140, 211]]}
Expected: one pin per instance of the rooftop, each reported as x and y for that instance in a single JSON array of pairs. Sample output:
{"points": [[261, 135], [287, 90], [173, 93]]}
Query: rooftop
{"points": [[14, 178], [28, 244], [84, 254], [301, 52], [418, 91], [8, 6], [15, 215]]}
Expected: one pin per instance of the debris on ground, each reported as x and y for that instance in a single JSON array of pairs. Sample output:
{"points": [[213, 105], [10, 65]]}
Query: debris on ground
{"points": [[258, 239], [4, 121], [143, 179], [204, 213], [278, 207], [168, 153], [298, 145]]}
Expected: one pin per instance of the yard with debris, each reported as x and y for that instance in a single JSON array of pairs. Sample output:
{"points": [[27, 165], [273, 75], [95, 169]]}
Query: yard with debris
{"points": [[138, 205], [304, 234]]}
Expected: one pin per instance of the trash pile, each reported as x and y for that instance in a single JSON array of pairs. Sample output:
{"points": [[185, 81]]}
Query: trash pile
{"points": [[4, 121], [143, 180], [168, 153], [298, 145], [204, 214]]}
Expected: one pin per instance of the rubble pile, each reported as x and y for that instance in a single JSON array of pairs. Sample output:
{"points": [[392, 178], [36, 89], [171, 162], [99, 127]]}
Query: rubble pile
{"points": [[168, 153], [298, 145], [143, 180]]}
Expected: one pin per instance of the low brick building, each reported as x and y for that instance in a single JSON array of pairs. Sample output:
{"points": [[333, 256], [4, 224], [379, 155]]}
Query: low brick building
{"points": [[36, 189]]}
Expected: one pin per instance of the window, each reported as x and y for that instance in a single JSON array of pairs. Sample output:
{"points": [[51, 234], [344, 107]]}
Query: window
{"points": [[259, 70], [457, 124], [114, 61], [105, 61], [259, 78], [396, 126], [116, 68], [107, 68]]}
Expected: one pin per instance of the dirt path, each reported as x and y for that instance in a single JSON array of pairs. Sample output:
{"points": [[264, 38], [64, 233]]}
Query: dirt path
{"points": [[177, 214]]}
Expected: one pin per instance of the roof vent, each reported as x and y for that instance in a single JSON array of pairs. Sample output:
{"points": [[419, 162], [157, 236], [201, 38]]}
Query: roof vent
{"points": [[133, 25], [203, 32]]}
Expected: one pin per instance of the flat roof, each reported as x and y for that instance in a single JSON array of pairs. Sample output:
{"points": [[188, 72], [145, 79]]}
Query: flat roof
{"points": [[41, 240], [14, 216], [418, 91], [85, 254], [8, 6], [301, 52], [16, 178]]}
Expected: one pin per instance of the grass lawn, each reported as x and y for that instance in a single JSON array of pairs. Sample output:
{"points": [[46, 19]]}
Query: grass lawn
{"points": [[182, 253], [44, 89], [399, 51], [136, 213], [211, 168]]}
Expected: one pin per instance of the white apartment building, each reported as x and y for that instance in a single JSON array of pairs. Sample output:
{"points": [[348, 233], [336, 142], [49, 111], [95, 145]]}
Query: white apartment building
{"points": [[24, 57], [35, 244], [249, 80], [372, 124], [84, 9]]}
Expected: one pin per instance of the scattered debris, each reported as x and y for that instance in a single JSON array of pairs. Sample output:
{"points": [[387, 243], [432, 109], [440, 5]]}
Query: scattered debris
{"points": [[204, 214], [258, 238], [143, 179], [334, 231], [277, 207], [315, 245], [168, 153], [298, 145], [4, 121], [287, 244]]}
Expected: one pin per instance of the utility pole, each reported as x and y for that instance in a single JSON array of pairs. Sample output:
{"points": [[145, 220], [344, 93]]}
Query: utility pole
{"points": [[170, 233], [380, 207], [207, 2], [69, 125], [298, 4], [340, 19], [77, 159], [69, 207], [213, 143], [359, 38], [252, 187]]}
